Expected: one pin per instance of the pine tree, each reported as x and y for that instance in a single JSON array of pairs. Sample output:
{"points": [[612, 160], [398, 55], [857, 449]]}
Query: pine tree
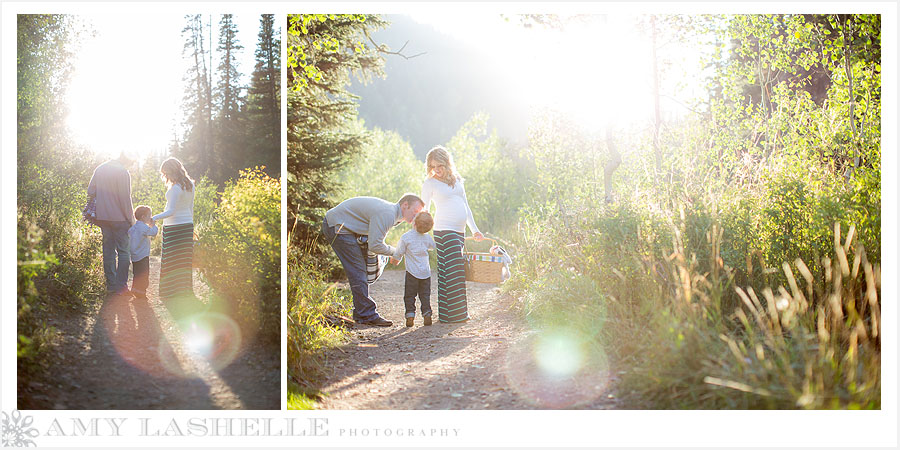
{"points": [[196, 150], [230, 134], [264, 99], [228, 90], [323, 50]]}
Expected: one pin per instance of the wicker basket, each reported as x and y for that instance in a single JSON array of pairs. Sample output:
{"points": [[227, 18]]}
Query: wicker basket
{"points": [[483, 267]]}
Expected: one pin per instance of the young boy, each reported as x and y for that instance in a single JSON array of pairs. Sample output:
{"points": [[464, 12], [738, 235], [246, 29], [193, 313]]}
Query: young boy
{"points": [[415, 244], [139, 237]]}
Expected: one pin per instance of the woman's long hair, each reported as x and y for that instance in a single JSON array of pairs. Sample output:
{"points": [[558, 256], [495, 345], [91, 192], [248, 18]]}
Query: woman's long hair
{"points": [[175, 173], [439, 156]]}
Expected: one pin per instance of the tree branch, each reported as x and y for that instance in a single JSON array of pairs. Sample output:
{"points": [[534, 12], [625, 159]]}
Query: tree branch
{"points": [[383, 48]]}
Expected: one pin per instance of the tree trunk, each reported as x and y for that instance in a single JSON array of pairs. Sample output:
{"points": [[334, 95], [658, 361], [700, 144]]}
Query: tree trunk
{"points": [[656, 112], [613, 164], [847, 34]]}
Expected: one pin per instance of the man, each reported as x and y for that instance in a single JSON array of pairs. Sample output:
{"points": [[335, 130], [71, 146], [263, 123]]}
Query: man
{"points": [[372, 217], [111, 188]]}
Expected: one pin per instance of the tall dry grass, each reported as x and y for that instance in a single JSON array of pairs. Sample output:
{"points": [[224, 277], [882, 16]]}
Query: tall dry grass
{"points": [[314, 308]]}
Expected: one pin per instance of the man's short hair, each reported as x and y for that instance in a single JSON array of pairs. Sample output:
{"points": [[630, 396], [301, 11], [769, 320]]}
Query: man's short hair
{"points": [[423, 222], [140, 211], [410, 198]]}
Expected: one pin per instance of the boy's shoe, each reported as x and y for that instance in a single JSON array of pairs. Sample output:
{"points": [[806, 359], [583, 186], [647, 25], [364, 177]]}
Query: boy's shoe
{"points": [[409, 321], [427, 321]]}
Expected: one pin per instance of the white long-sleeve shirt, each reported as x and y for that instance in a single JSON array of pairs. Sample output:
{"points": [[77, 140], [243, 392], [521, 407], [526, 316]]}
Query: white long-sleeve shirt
{"points": [[414, 246], [452, 208], [179, 206]]}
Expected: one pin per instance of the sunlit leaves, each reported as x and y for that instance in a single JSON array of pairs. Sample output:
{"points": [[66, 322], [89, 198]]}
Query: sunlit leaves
{"points": [[240, 248], [314, 39]]}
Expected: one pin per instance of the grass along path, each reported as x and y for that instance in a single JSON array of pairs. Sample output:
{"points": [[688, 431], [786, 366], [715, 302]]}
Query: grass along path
{"points": [[130, 354], [486, 363]]}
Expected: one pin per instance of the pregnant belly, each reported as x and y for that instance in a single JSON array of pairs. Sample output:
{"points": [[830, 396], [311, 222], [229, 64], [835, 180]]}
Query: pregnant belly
{"points": [[451, 218]]}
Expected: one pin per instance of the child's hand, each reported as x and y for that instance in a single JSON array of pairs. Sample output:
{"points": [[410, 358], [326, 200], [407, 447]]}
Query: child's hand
{"points": [[395, 261]]}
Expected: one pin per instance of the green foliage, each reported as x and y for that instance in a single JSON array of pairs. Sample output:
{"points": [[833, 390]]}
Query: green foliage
{"points": [[239, 251], [313, 319], [34, 336], [264, 97], [494, 175], [385, 167], [315, 38], [321, 112], [297, 400], [741, 281], [227, 131]]}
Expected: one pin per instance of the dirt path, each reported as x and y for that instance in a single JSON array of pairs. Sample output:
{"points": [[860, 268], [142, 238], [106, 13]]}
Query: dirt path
{"points": [[131, 354], [485, 363]]}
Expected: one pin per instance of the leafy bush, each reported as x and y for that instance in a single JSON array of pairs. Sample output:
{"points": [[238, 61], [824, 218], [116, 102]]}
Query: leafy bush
{"points": [[315, 307], [239, 251], [34, 336]]}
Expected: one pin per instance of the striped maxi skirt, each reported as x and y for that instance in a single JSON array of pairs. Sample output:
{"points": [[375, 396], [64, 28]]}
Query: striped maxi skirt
{"points": [[452, 306], [175, 276]]}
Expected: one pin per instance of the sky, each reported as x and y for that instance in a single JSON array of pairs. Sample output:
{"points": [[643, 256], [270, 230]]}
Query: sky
{"points": [[597, 69], [127, 87]]}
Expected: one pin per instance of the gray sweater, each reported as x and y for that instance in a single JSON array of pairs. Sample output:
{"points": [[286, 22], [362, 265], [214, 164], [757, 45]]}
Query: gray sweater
{"points": [[369, 216], [111, 188]]}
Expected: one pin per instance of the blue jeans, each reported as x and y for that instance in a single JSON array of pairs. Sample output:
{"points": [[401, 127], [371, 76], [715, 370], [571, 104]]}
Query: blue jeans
{"points": [[351, 256], [116, 254]]}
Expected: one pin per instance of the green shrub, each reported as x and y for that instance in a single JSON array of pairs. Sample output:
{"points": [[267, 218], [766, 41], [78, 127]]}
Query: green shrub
{"points": [[34, 336], [239, 252], [315, 307]]}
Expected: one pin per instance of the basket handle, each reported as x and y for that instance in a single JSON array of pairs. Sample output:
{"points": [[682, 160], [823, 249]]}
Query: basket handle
{"points": [[472, 238]]}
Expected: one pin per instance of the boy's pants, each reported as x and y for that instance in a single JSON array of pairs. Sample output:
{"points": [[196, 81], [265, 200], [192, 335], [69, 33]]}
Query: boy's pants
{"points": [[141, 277], [423, 289]]}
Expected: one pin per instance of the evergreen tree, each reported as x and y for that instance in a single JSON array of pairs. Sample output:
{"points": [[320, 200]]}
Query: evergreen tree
{"points": [[228, 89], [322, 52], [229, 129], [264, 99], [196, 150]]}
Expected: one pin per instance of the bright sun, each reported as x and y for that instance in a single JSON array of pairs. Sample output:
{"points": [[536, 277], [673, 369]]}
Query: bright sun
{"points": [[125, 92], [596, 69]]}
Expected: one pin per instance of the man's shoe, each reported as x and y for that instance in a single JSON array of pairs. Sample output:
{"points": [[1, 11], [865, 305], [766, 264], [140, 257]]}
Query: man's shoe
{"points": [[409, 321], [378, 322], [427, 321]]}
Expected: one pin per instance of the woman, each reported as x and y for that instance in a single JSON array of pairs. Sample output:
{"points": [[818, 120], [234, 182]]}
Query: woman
{"points": [[175, 277], [444, 186]]}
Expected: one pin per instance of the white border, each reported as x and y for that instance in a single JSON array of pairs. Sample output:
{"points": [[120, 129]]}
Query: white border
{"points": [[495, 428]]}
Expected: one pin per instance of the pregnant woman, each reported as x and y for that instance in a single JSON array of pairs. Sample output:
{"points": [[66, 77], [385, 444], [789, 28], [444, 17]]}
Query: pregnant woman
{"points": [[175, 276], [444, 186]]}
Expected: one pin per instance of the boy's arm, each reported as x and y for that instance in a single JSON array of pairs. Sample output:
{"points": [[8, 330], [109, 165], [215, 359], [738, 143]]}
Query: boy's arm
{"points": [[152, 231], [398, 252]]}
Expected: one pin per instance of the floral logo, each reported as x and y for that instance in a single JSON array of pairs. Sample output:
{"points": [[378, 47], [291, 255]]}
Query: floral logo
{"points": [[17, 430]]}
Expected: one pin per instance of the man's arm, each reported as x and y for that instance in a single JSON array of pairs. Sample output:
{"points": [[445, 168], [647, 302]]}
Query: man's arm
{"points": [[378, 228], [129, 212], [92, 186]]}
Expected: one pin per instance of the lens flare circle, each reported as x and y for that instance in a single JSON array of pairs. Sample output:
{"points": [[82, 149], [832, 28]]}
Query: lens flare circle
{"points": [[212, 336], [557, 369], [558, 354]]}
